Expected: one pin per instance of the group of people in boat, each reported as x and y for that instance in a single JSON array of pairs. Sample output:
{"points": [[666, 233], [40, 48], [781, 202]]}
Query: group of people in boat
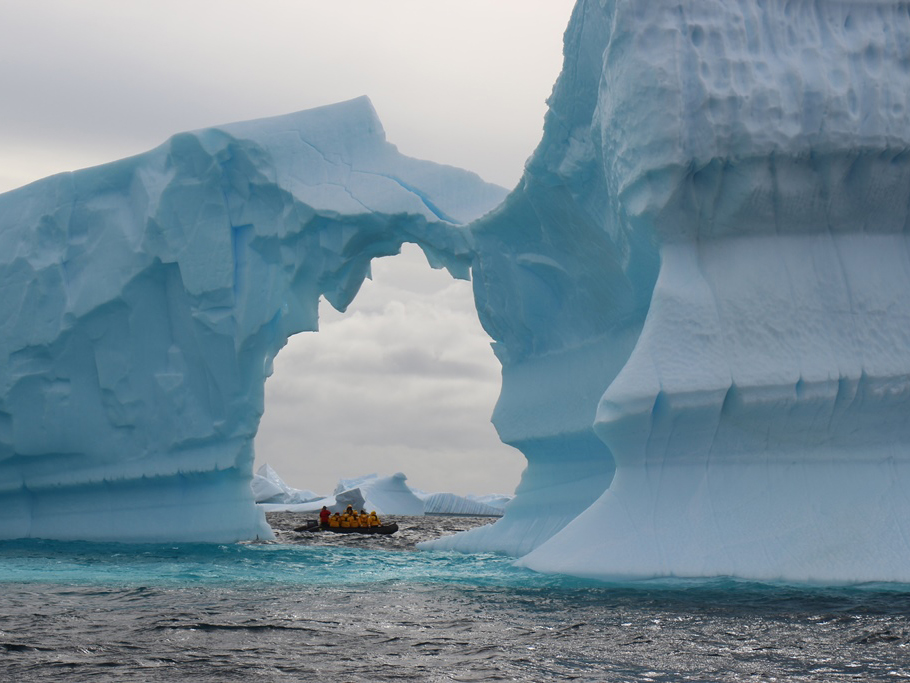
{"points": [[350, 518]]}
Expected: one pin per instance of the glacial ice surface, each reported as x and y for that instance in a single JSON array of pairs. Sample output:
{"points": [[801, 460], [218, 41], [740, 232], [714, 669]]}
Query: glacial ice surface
{"points": [[697, 293], [144, 300], [701, 281]]}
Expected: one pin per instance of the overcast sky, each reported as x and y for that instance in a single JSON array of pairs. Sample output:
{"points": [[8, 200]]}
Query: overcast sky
{"points": [[405, 380]]}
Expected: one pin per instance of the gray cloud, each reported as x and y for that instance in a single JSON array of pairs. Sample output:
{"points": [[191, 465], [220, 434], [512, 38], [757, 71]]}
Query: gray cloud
{"points": [[408, 385], [112, 78]]}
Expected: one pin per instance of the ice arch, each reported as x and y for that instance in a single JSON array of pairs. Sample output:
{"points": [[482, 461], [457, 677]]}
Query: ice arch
{"points": [[403, 380], [144, 301], [701, 279]]}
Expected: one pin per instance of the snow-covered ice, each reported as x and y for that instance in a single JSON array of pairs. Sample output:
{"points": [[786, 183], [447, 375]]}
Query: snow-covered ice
{"points": [[269, 487]]}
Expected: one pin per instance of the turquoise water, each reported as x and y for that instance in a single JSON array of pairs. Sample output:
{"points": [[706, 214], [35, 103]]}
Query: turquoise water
{"points": [[317, 608], [169, 564], [29, 561]]}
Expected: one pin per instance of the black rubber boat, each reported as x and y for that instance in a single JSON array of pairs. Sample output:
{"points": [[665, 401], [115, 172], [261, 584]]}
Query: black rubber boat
{"points": [[313, 525]]}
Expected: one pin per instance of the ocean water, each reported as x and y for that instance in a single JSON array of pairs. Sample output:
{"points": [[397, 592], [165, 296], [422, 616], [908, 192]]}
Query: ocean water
{"points": [[323, 607]]}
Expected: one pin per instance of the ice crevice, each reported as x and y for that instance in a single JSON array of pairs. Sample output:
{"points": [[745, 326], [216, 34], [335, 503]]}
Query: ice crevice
{"points": [[436, 211]]}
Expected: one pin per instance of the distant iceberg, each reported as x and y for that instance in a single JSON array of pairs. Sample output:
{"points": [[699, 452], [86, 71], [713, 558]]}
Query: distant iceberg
{"points": [[493, 500], [452, 504], [268, 487], [335, 503], [386, 495], [697, 292]]}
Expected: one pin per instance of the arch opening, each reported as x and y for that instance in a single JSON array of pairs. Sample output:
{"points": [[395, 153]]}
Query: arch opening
{"points": [[403, 380]]}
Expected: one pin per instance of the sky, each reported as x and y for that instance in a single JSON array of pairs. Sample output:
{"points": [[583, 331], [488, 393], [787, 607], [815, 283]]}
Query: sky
{"points": [[405, 380]]}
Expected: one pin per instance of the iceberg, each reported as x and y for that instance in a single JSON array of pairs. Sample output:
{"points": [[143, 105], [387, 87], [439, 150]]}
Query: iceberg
{"points": [[265, 489], [453, 504], [696, 293], [493, 500], [335, 503], [269, 487], [386, 495], [145, 299], [701, 282]]}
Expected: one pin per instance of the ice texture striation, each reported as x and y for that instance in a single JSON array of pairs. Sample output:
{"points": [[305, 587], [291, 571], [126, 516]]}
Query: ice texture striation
{"points": [[144, 301], [453, 504], [706, 265]]}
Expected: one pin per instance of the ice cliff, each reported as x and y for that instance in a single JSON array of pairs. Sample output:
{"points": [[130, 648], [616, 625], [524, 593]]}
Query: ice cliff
{"points": [[702, 280], [144, 300]]}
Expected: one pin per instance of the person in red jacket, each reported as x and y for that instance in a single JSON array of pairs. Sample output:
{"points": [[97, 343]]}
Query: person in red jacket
{"points": [[324, 515]]}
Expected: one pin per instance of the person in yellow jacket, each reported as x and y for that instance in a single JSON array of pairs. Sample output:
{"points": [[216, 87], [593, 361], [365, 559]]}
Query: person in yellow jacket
{"points": [[373, 519], [335, 520], [363, 519], [345, 520]]}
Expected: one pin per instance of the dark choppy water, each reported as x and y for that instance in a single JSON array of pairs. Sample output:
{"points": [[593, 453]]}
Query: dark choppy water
{"points": [[336, 608]]}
